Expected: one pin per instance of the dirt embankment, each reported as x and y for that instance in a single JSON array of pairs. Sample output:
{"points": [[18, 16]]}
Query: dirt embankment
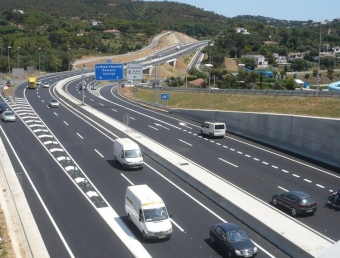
{"points": [[170, 39]]}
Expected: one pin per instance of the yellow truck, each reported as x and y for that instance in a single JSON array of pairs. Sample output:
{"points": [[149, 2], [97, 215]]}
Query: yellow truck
{"points": [[32, 82]]}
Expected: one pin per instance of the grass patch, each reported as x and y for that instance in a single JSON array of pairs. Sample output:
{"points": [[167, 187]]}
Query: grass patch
{"points": [[302, 106]]}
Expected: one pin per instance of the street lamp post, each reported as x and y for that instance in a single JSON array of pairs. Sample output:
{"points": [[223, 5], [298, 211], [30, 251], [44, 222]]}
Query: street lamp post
{"points": [[318, 77], [18, 57], [9, 62], [39, 58], [82, 84], [69, 60]]}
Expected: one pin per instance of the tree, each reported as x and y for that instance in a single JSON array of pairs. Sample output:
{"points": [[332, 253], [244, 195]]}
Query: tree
{"points": [[299, 65], [290, 84]]}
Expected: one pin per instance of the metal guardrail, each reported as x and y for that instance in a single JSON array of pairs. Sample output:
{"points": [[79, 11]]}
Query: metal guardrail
{"points": [[147, 103], [301, 93]]}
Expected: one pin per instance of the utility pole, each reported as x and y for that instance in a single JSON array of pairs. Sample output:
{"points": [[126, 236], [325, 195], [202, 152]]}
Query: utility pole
{"points": [[319, 77]]}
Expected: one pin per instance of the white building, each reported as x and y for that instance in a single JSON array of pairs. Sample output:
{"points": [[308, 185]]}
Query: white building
{"points": [[260, 60]]}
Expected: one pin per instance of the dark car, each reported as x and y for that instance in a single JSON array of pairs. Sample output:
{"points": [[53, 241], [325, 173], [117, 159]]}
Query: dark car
{"points": [[296, 201], [232, 240], [3, 107]]}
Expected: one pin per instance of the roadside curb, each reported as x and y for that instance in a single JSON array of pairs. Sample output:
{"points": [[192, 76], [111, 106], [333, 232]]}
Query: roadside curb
{"points": [[22, 228]]}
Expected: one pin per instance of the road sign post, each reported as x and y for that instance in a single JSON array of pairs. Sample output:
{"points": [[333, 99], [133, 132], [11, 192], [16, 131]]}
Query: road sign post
{"points": [[109, 72], [165, 96], [134, 71]]}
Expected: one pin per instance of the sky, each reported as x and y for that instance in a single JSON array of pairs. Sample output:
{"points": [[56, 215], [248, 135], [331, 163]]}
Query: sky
{"points": [[298, 10]]}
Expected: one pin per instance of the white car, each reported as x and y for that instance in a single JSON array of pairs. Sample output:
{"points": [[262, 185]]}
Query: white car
{"points": [[8, 116], [39, 83], [53, 103], [46, 85]]}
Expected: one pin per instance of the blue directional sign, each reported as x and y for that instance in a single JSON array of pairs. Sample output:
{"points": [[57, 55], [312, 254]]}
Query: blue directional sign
{"points": [[109, 72], [165, 96]]}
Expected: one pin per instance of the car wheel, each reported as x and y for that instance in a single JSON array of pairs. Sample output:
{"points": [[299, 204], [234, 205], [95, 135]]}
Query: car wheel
{"points": [[294, 212], [210, 135], [212, 239], [275, 201], [229, 254], [330, 200], [144, 235]]}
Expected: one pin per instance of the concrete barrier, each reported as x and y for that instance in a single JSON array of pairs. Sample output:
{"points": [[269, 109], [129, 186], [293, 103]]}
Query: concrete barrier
{"points": [[313, 137]]}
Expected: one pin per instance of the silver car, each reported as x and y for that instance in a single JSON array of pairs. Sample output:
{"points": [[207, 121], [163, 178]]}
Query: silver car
{"points": [[53, 103], [46, 85], [8, 116]]}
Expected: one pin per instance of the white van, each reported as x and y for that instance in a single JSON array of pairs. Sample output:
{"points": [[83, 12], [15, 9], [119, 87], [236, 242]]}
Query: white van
{"points": [[148, 212], [213, 129], [128, 153]]}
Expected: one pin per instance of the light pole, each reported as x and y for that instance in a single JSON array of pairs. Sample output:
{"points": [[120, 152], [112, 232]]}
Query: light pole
{"points": [[82, 84], [69, 60], [9, 63], [319, 77], [18, 56], [39, 58]]}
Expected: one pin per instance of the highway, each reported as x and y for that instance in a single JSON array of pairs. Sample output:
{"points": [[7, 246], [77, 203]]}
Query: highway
{"points": [[64, 160], [72, 227], [244, 163]]}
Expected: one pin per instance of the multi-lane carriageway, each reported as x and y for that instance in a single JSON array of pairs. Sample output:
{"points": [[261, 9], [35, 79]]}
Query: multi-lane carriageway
{"points": [[193, 213]]}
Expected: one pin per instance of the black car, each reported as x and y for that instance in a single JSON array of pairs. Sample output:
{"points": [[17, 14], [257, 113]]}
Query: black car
{"points": [[296, 201], [3, 107], [233, 240]]}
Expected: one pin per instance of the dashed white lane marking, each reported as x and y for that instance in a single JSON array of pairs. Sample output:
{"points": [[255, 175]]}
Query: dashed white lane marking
{"points": [[266, 163], [80, 136], [228, 162], [114, 110], [248, 156], [295, 175], [256, 159], [275, 167], [225, 146], [153, 127], [239, 152], [217, 143], [101, 104], [65, 122], [181, 229], [309, 181], [285, 171], [284, 189], [321, 186], [127, 179], [132, 118], [185, 142], [231, 149], [99, 153]]}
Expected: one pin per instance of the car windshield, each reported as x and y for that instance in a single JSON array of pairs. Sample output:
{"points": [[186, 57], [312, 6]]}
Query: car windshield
{"points": [[155, 214], [54, 100], [235, 236], [133, 153], [9, 113]]}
